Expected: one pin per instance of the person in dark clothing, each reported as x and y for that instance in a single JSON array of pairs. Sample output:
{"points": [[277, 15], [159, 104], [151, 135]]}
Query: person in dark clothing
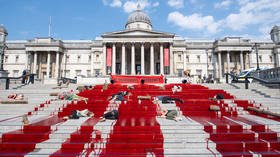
{"points": [[23, 76], [167, 99], [217, 97], [112, 115], [76, 114], [119, 96]]}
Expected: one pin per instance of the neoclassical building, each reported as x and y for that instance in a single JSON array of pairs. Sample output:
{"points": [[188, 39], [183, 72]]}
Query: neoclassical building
{"points": [[138, 49]]}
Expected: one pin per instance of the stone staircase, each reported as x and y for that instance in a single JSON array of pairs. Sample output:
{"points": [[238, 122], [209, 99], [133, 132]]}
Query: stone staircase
{"points": [[196, 135], [268, 98]]}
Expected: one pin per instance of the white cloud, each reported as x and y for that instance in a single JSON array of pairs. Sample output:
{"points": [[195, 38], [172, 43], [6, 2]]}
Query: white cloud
{"points": [[223, 4], [195, 22], [176, 3], [261, 12], [131, 5], [116, 3]]}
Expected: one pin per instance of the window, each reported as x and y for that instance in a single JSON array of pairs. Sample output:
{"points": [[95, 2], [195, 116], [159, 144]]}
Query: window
{"points": [[78, 72], [67, 58], [67, 73], [187, 59], [78, 59], [89, 58], [97, 57], [180, 57], [271, 58], [15, 73], [88, 73], [260, 58], [198, 58], [209, 59], [17, 57], [6, 58], [199, 72], [97, 72]]}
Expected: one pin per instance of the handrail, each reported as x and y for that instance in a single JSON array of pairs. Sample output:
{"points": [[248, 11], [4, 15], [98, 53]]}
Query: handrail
{"points": [[251, 77], [7, 86], [65, 80]]}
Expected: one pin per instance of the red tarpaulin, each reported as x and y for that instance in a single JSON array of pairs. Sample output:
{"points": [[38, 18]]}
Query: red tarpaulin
{"points": [[166, 57], [109, 57]]}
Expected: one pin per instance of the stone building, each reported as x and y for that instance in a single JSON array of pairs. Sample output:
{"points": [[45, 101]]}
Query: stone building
{"points": [[138, 49]]}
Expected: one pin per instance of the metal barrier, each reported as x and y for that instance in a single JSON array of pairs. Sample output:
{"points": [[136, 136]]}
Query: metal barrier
{"points": [[65, 80], [267, 77], [8, 79]]}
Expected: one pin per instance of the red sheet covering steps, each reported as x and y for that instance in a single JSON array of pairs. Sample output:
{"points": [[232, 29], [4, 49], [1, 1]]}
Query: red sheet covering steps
{"points": [[128, 79], [135, 134]]}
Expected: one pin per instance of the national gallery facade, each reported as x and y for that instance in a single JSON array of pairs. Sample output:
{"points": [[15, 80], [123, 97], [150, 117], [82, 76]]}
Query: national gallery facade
{"points": [[137, 49]]}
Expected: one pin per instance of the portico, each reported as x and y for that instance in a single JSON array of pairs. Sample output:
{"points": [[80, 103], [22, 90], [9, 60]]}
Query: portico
{"points": [[44, 57]]}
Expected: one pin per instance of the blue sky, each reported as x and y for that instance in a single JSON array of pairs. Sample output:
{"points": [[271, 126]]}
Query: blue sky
{"points": [[87, 19]]}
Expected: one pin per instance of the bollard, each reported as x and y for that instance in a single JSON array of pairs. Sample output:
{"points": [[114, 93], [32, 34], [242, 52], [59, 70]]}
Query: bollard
{"points": [[7, 83], [226, 78], [246, 83]]}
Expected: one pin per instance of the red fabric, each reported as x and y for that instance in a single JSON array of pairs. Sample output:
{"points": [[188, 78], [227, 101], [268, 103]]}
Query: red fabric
{"points": [[127, 79], [166, 57], [109, 57]]}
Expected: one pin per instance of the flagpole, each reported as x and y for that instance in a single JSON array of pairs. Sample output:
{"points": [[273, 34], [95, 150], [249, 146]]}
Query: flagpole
{"points": [[50, 22]]}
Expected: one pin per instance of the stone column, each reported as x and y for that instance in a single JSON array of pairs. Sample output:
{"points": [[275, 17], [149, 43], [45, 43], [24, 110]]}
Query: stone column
{"points": [[48, 64], [250, 59], [132, 59], [35, 63], [161, 59], [228, 62], [152, 61], [91, 64], [114, 59], [220, 64], [172, 60], [184, 60], [123, 59], [241, 60], [142, 60], [104, 60], [26, 62], [57, 65]]}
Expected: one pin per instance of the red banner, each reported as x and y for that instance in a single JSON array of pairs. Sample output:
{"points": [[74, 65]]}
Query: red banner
{"points": [[109, 57], [127, 79], [166, 57]]}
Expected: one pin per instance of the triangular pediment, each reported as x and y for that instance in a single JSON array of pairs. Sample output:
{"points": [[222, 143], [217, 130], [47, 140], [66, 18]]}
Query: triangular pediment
{"points": [[137, 33]]}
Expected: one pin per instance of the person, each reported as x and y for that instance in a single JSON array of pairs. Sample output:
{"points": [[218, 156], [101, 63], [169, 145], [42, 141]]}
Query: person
{"points": [[76, 114], [168, 114], [105, 85], [112, 115], [217, 97], [118, 97], [176, 89], [23, 76], [166, 99], [71, 96], [25, 120], [16, 96]]}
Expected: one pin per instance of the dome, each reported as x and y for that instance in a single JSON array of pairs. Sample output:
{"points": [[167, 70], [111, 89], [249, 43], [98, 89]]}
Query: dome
{"points": [[140, 18], [3, 30]]}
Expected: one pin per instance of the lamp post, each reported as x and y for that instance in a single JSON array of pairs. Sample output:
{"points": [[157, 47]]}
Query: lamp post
{"points": [[3, 34], [275, 37], [257, 55], [207, 63]]}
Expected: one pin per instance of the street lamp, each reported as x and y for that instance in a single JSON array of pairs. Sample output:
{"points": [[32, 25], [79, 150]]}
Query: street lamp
{"points": [[207, 62], [3, 34], [257, 55]]}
